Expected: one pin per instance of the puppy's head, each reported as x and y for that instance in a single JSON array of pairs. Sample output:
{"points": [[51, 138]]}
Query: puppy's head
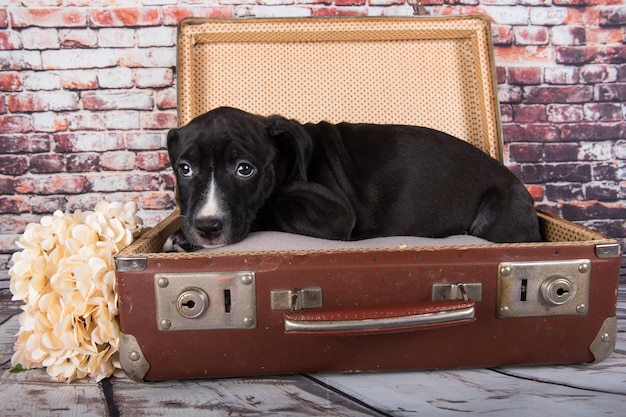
{"points": [[227, 164]]}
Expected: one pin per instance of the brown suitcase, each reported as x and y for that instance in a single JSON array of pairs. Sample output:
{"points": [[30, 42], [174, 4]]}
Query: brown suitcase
{"points": [[399, 307]]}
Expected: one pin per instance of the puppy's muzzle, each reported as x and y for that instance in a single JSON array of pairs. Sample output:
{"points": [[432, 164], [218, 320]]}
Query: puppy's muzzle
{"points": [[210, 228]]}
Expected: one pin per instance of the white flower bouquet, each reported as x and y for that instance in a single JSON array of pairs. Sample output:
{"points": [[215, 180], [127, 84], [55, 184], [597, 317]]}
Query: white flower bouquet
{"points": [[65, 275]]}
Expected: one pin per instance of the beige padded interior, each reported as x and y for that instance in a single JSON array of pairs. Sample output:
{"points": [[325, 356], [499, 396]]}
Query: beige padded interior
{"points": [[433, 72]]}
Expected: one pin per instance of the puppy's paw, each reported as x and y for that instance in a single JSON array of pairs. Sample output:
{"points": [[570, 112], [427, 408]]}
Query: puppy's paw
{"points": [[178, 243]]}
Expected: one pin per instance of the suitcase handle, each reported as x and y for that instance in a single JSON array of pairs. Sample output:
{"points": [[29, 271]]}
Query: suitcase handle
{"points": [[420, 316]]}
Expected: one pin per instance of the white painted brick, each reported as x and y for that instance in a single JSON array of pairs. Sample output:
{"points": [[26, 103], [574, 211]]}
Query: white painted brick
{"points": [[548, 16], [620, 149], [86, 121], [121, 120], [507, 15], [154, 77], [115, 78], [148, 57], [49, 122], [118, 160], [116, 38], [79, 58], [118, 100], [41, 80], [17, 60], [36, 38], [156, 36], [595, 151], [79, 79], [80, 38], [561, 75], [145, 140]]}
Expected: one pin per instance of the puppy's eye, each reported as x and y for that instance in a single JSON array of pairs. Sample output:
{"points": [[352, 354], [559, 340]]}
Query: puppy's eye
{"points": [[245, 169], [185, 170]]}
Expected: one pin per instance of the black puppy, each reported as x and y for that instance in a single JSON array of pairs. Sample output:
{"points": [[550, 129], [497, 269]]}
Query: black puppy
{"points": [[237, 172]]}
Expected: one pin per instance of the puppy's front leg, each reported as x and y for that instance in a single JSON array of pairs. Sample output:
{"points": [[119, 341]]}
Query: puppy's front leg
{"points": [[309, 209], [177, 242]]}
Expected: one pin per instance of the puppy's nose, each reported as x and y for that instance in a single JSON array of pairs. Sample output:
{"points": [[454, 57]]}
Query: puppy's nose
{"points": [[209, 227]]}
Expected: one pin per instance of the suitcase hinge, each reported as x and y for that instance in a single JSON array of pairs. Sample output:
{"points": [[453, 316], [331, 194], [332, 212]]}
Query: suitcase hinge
{"points": [[296, 299], [458, 291]]}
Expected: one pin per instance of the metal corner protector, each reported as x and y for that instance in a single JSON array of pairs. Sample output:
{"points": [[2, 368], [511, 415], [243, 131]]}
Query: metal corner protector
{"points": [[133, 362], [604, 342]]}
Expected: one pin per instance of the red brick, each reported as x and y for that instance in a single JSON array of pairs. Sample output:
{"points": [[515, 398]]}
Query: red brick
{"points": [[14, 205], [172, 15], [87, 142], [15, 124], [564, 192], [506, 113], [603, 191], [531, 35], [526, 152], [612, 16], [529, 113], [24, 143], [611, 54], [145, 140], [337, 11], [13, 164], [575, 55], [592, 131], [571, 2], [153, 161], [592, 74], [125, 17], [52, 184], [48, 17], [3, 105], [561, 75], [604, 35], [4, 22], [561, 152], [83, 162], [6, 185], [44, 101], [585, 210], [161, 200], [502, 35], [562, 172], [564, 113], [524, 75], [537, 192], [10, 40], [159, 121], [549, 94], [79, 80], [517, 54], [509, 94], [47, 163]]}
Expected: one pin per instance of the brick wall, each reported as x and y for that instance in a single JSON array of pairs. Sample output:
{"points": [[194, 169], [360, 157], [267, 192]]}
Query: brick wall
{"points": [[88, 94]]}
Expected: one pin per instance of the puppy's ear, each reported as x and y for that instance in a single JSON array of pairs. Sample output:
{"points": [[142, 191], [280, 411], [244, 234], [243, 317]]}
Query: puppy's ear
{"points": [[173, 145], [294, 146]]}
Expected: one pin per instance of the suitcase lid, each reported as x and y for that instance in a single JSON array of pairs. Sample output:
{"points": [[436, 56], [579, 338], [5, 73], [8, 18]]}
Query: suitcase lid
{"points": [[437, 72]]}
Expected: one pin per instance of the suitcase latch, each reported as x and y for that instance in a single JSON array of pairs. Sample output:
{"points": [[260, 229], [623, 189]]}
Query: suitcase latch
{"points": [[458, 291], [296, 299], [550, 288]]}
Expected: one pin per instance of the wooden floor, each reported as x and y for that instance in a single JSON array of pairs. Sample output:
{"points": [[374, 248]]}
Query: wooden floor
{"points": [[578, 390]]}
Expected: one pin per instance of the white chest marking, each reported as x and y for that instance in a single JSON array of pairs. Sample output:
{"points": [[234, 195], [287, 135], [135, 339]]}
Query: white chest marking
{"points": [[212, 206]]}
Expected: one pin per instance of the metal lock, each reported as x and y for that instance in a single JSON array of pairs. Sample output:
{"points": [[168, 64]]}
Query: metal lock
{"points": [[557, 290], [205, 300], [550, 288], [192, 303]]}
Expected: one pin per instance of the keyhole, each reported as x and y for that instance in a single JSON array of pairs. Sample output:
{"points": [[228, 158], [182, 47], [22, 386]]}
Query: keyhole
{"points": [[561, 291], [189, 304]]}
